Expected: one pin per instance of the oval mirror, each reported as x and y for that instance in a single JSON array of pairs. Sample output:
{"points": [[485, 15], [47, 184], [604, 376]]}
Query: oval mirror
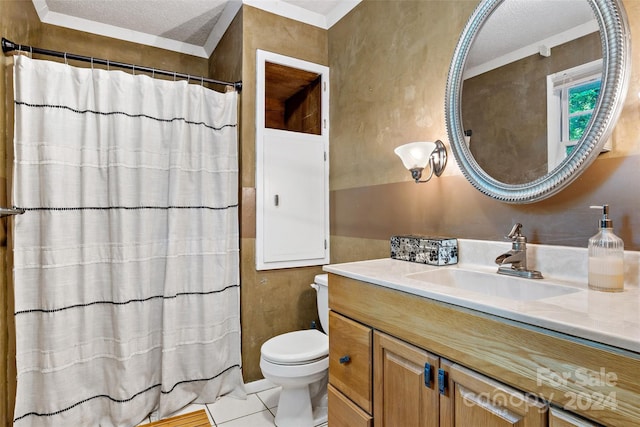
{"points": [[544, 82]]}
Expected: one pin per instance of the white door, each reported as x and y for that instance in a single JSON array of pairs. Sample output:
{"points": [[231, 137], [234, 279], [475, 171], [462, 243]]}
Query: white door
{"points": [[294, 187]]}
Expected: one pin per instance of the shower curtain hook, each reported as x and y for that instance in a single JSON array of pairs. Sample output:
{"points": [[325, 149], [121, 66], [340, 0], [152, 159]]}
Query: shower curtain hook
{"points": [[174, 76], [202, 81], [65, 59], [188, 77], [31, 52], [107, 65], [153, 73], [92, 62]]}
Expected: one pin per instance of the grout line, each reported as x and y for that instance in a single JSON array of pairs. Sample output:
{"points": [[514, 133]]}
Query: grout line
{"points": [[206, 407], [272, 411], [261, 401], [241, 416]]}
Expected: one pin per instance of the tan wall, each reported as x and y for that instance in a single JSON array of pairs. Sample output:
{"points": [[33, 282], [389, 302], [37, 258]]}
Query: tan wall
{"points": [[389, 62], [276, 301], [226, 61], [20, 24]]}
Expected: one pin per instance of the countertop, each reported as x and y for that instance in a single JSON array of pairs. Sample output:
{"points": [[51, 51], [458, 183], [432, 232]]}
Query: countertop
{"points": [[607, 318]]}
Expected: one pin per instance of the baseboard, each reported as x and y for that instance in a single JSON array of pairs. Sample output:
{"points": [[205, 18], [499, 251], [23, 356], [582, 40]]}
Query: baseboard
{"points": [[258, 386]]}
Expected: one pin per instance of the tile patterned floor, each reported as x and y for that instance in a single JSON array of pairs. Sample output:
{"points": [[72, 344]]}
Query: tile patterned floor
{"points": [[257, 411]]}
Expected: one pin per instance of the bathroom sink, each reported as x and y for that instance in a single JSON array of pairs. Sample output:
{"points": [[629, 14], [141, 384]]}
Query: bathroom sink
{"points": [[493, 284]]}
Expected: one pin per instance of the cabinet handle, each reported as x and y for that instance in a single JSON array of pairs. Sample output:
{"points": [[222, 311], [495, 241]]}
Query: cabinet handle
{"points": [[345, 359], [276, 200], [427, 375], [442, 380]]}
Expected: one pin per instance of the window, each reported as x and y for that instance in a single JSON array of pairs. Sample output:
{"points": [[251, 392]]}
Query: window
{"points": [[571, 98]]}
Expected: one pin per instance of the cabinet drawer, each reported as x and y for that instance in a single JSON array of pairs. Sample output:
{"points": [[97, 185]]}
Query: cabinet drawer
{"points": [[561, 418], [482, 401], [344, 413], [350, 364]]}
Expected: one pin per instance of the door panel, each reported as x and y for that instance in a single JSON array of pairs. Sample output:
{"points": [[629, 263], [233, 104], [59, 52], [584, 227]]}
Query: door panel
{"points": [[294, 197], [402, 396]]}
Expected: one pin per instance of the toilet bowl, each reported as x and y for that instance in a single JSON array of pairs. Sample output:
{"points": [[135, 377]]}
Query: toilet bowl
{"points": [[299, 362]]}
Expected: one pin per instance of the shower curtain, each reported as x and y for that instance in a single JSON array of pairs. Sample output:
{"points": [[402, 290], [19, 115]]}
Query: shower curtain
{"points": [[126, 259]]}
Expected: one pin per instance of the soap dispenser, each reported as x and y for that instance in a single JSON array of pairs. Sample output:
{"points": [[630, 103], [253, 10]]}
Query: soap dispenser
{"points": [[606, 257]]}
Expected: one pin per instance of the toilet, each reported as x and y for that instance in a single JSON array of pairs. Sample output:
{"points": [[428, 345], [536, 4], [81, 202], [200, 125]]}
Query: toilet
{"points": [[299, 362]]}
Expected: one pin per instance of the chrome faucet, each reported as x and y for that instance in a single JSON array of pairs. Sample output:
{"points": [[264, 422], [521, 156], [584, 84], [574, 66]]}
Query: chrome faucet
{"points": [[516, 257]]}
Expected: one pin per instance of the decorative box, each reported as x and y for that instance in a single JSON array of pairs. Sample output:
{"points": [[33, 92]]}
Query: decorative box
{"points": [[425, 250]]}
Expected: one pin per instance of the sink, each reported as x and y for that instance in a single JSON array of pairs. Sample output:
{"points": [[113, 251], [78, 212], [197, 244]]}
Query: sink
{"points": [[493, 284]]}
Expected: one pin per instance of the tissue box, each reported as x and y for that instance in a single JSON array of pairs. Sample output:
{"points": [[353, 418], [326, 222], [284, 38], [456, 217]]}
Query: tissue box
{"points": [[425, 250]]}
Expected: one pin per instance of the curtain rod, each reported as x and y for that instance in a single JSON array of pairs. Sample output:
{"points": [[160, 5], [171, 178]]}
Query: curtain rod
{"points": [[11, 211], [8, 46]]}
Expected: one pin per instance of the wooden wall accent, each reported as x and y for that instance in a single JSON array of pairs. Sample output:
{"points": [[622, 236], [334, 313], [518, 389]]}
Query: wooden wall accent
{"points": [[292, 99]]}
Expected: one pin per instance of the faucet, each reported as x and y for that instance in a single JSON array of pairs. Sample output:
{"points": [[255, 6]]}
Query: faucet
{"points": [[516, 257]]}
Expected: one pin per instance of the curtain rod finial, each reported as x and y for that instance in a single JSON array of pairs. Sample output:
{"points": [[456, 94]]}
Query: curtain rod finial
{"points": [[7, 46]]}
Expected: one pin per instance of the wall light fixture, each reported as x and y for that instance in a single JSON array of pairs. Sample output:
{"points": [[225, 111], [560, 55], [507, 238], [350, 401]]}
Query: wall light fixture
{"points": [[417, 155]]}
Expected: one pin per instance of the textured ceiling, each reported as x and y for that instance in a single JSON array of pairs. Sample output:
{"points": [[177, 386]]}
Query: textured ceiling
{"points": [[187, 21], [189, 26], [196, 26]]}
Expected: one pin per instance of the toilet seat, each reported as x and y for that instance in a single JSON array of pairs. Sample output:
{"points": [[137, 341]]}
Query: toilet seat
{"points": [[295, 348]]}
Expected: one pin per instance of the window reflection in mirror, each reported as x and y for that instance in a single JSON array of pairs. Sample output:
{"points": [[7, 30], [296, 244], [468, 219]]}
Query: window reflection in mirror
{"points": [[505, 102], [572, 96]]}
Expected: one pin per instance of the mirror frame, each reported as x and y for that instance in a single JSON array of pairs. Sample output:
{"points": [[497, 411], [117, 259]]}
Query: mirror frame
{"points": [[615, 38]]}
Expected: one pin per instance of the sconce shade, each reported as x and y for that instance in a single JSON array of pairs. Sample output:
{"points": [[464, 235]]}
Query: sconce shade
{"points": [[415, 155]]}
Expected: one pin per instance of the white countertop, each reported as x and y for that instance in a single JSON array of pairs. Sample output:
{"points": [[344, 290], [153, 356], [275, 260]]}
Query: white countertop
{"points": [[603, 317]]}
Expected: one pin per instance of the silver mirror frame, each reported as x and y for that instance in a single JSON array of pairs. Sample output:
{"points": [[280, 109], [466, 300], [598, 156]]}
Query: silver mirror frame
{"points": [[615, 38]]}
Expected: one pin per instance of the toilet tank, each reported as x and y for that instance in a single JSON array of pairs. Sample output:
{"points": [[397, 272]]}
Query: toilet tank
{"points": [[321, 285]]}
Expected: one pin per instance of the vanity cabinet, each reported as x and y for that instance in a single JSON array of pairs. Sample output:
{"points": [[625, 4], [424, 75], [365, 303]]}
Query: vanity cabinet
{"points": [[429, 363], [413, 387], [416, 388]]}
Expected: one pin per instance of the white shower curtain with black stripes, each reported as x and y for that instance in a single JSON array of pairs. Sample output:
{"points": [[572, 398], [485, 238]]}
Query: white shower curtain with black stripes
{"points": [[126, 259]]}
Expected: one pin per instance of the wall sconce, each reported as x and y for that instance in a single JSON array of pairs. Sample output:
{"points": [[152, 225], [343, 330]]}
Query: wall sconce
{"points": [[417, 155]]}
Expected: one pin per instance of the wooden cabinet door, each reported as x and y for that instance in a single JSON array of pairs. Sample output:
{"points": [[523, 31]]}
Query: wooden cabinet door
{"points": [[350, 363], [561, 418], [482, 402], [403, 396]]}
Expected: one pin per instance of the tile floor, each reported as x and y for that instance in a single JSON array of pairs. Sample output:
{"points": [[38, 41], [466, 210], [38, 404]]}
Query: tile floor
{"points": [[257, 411]]}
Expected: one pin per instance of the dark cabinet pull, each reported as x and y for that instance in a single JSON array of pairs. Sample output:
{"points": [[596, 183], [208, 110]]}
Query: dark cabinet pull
{"points": [[345, 359], [442, 380], [427, 375]]}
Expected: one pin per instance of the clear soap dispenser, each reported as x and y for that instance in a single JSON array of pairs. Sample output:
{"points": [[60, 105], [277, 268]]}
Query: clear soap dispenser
{"points": [[606, 257]]}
